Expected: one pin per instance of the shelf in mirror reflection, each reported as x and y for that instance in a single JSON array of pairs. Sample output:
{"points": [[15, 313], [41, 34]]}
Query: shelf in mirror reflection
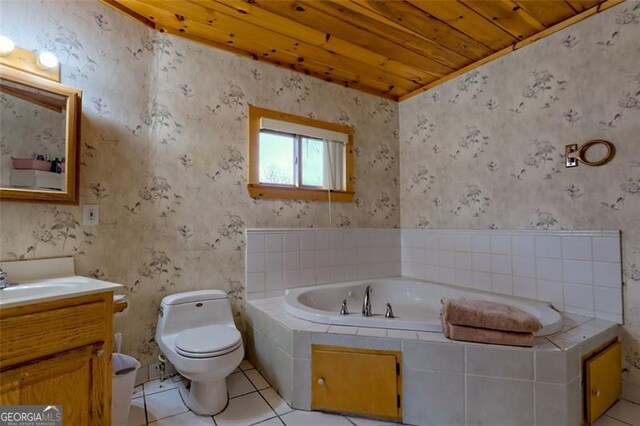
{"points": [[37, 179]]}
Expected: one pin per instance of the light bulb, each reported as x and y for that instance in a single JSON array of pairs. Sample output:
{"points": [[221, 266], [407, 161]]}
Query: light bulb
{"points": [[47, 60], [6, 45]]}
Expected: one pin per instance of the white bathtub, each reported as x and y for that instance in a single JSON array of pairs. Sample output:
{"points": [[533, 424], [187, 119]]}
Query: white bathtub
{"points": [[416, 304]]}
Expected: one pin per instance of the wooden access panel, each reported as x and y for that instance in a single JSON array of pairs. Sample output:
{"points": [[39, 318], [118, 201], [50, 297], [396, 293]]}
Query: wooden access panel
{"points": [[356, 381], [603, 381]]}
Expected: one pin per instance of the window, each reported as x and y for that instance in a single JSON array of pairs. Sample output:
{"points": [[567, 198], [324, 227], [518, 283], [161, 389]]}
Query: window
{"points": [[298, 157]]}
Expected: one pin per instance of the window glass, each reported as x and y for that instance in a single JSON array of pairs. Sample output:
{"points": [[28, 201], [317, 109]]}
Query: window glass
{"points": [[299, 158], [277, 158], [312, 158]]}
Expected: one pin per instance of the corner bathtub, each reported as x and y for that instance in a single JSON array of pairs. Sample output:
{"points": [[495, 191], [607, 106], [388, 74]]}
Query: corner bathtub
{"points": [[416, 304]]}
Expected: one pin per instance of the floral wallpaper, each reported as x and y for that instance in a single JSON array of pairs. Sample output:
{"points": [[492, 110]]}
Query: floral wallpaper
{"points": [[27, 128], [164, 153], [486, 150], [164, 138]]}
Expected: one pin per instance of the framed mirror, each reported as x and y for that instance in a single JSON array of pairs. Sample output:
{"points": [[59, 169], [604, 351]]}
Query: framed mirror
{"points": [[39, 138]]}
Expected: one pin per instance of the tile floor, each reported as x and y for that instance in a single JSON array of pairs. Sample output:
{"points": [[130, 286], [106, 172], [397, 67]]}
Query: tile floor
{"points": [[253, 402], [624, 413]]}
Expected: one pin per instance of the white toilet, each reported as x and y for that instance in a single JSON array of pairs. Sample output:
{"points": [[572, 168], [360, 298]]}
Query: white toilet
{"points": [[197, 334]]}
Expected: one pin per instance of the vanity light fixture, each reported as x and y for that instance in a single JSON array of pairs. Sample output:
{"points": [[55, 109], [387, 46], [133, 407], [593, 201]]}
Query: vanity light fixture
{"points": [[6, 45], [43, 64], [47, 60]]}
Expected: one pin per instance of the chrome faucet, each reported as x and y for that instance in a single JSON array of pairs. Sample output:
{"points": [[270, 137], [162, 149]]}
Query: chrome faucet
{"points": [[343, 309], [366, 305], [4, 282], [389, 313]]}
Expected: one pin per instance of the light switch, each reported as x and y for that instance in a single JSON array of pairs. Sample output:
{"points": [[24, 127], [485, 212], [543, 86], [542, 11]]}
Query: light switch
{"points": [[91, 215]]}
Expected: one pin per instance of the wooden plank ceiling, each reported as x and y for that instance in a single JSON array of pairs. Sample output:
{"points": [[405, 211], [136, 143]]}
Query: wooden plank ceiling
{"points": [[390, 48]]}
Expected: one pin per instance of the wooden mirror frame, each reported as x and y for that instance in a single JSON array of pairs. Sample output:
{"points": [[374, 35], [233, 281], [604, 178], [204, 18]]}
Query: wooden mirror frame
{"points": [[72, 154]]}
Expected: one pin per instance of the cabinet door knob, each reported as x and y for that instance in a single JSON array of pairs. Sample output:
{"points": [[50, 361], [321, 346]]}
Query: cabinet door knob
{"points": [[100, 352], [596, 393], [321, 381]]}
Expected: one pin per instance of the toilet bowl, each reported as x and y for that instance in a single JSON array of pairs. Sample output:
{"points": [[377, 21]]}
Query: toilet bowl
{"points": [[196, 333]]}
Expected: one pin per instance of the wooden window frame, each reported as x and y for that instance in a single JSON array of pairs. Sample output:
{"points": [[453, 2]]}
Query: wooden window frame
{"points": [[262, 190]]}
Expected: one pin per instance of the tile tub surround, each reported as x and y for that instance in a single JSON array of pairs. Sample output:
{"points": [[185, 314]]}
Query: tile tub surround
{"points": [[279, 259], [454, 382], [577, 271]]}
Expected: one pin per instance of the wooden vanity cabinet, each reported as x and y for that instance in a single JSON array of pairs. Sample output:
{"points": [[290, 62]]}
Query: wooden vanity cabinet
{"points": [[59, 353], [357, 381]]}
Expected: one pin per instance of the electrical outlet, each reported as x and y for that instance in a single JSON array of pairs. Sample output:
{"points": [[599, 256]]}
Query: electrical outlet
{"points": [[91, 215]]}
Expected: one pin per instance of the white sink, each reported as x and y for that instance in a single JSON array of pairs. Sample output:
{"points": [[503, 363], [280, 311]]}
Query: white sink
{"points": [[52, 289], [35, 289]]}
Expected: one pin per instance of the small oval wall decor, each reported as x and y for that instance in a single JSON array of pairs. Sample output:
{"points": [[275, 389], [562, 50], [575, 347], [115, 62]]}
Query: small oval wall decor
{"points": [[575, 153]]}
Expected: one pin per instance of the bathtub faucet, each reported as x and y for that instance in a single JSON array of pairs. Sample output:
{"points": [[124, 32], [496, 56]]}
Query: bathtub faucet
{"points": [[343, 309], [389, 313], [4, 281], [366, 305]]}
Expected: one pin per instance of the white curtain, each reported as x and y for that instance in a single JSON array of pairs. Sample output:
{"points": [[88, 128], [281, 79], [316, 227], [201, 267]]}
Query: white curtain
{"points": [[334, 165]]}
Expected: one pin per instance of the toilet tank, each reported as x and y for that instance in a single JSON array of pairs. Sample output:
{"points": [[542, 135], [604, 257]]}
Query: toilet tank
{"points": [[193, 309]]}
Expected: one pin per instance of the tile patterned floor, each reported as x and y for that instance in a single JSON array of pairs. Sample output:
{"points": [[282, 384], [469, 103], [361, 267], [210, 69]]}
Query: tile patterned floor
{"points": [[253, 402], [624, 413]]}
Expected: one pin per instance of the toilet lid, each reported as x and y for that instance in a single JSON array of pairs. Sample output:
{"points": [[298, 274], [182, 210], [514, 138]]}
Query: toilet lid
{"points": [[208, 341]]}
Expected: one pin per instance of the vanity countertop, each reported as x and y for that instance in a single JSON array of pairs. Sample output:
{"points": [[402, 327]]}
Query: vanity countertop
{"points": [[45, 290]]}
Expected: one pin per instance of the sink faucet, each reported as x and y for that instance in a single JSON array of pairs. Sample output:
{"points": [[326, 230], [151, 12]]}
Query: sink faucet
{"points": [[366, 305]]}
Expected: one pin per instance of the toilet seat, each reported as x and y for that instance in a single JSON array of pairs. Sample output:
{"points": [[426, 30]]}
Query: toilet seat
{"points": [[208, 341]]}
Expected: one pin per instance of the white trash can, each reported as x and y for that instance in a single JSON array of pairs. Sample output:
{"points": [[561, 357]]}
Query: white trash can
{"points": [[124, 378]]}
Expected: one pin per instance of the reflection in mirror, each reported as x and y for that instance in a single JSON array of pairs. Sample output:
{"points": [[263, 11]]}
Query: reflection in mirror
{"points": [[33, 126]]}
